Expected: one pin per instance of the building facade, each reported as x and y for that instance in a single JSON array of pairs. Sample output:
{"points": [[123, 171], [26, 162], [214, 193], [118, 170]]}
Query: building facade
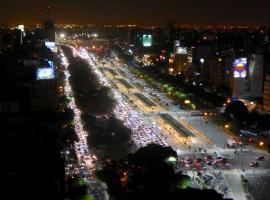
{"points": [[266, 94]]}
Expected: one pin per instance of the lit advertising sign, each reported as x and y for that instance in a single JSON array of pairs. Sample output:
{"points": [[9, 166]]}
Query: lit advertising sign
{"points": [[176, 43], [50, 45], [50, 63], [240, 70], [21, 28], [45, 73], [181, 50], [147, 40]]}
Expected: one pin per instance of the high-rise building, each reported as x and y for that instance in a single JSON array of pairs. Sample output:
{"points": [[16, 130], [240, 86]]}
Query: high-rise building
{"points": [[255, 74], [32, 132], [10, 39], [201, 53], [215, 65], [248, 76], [49, 31], [180, 64], [266, 94]]}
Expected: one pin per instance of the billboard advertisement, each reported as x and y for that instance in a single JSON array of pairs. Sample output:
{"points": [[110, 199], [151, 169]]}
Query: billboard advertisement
{"points": [[50, 63], [45, 73], [177, 43], [50, 45], [181, 50], [147, 40], [240, 68]]}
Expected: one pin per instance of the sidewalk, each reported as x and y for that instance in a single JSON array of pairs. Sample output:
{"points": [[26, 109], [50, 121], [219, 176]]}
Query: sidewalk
{"points": [[235, 187]]}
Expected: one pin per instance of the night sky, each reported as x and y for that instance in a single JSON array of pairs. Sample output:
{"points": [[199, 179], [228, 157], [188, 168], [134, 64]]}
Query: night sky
{"points": [[141, 12]]}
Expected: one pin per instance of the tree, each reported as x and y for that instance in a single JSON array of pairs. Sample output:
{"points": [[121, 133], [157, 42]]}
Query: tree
{"points": [[90, 96], [76, 188], [108, 135], [87, 197], [149, 174], [236, 109]]}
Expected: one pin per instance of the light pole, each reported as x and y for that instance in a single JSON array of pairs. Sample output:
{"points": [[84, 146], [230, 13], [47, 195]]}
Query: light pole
{"points": [[201, 69], [241, 151]]}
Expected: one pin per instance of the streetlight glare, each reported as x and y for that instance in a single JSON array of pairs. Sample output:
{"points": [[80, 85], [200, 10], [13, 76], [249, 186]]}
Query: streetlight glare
{"points": [[187, 101], [62, 35], [202, 60]]}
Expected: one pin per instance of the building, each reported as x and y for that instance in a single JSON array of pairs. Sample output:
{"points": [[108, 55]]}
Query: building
{"points": [[49, 31], [144, 103], [10, 39], [176, 129], [248, 76], [44, 95], [219, 72], [215, 77], [255, 74], [125, 86], [200, 54], [266, 94], [180, 64], [32, 165]]}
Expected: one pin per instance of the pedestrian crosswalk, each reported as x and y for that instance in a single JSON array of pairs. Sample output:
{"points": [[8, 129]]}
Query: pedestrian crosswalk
{"points": [[244, 171], [238, 172]]}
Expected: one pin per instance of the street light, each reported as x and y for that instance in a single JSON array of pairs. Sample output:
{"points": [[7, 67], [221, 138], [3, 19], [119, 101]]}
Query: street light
{"points": [[261, 143], [187, 101], [62, 35], [201, 69], [227, 126], [202, 60]]}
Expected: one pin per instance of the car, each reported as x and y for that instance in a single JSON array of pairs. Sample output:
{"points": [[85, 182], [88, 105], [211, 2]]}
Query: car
{"points": [[254, 164], [196, 113], [216, 165], [208, 157], [209, 163], [260, 158], [223, 160], [189, 161], [199, 160]]}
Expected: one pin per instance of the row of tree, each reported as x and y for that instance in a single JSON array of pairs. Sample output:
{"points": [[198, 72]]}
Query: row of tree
{"points": [[108, 135]]}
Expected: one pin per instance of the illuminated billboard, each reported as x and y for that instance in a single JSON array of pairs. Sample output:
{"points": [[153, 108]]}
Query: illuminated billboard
{"points": [[50, 45], [181, 50], [21, 28], [177, 43], [45, 73], [50, 63], [240, 68], [147, 40]]}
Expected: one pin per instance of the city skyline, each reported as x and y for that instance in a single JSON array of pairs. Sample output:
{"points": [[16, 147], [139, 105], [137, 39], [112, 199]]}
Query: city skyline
{"points": [[137, 100], [138, 12]]}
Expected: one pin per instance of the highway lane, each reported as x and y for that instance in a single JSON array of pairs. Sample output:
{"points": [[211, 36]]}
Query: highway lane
{"points": [[86, 158]]}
